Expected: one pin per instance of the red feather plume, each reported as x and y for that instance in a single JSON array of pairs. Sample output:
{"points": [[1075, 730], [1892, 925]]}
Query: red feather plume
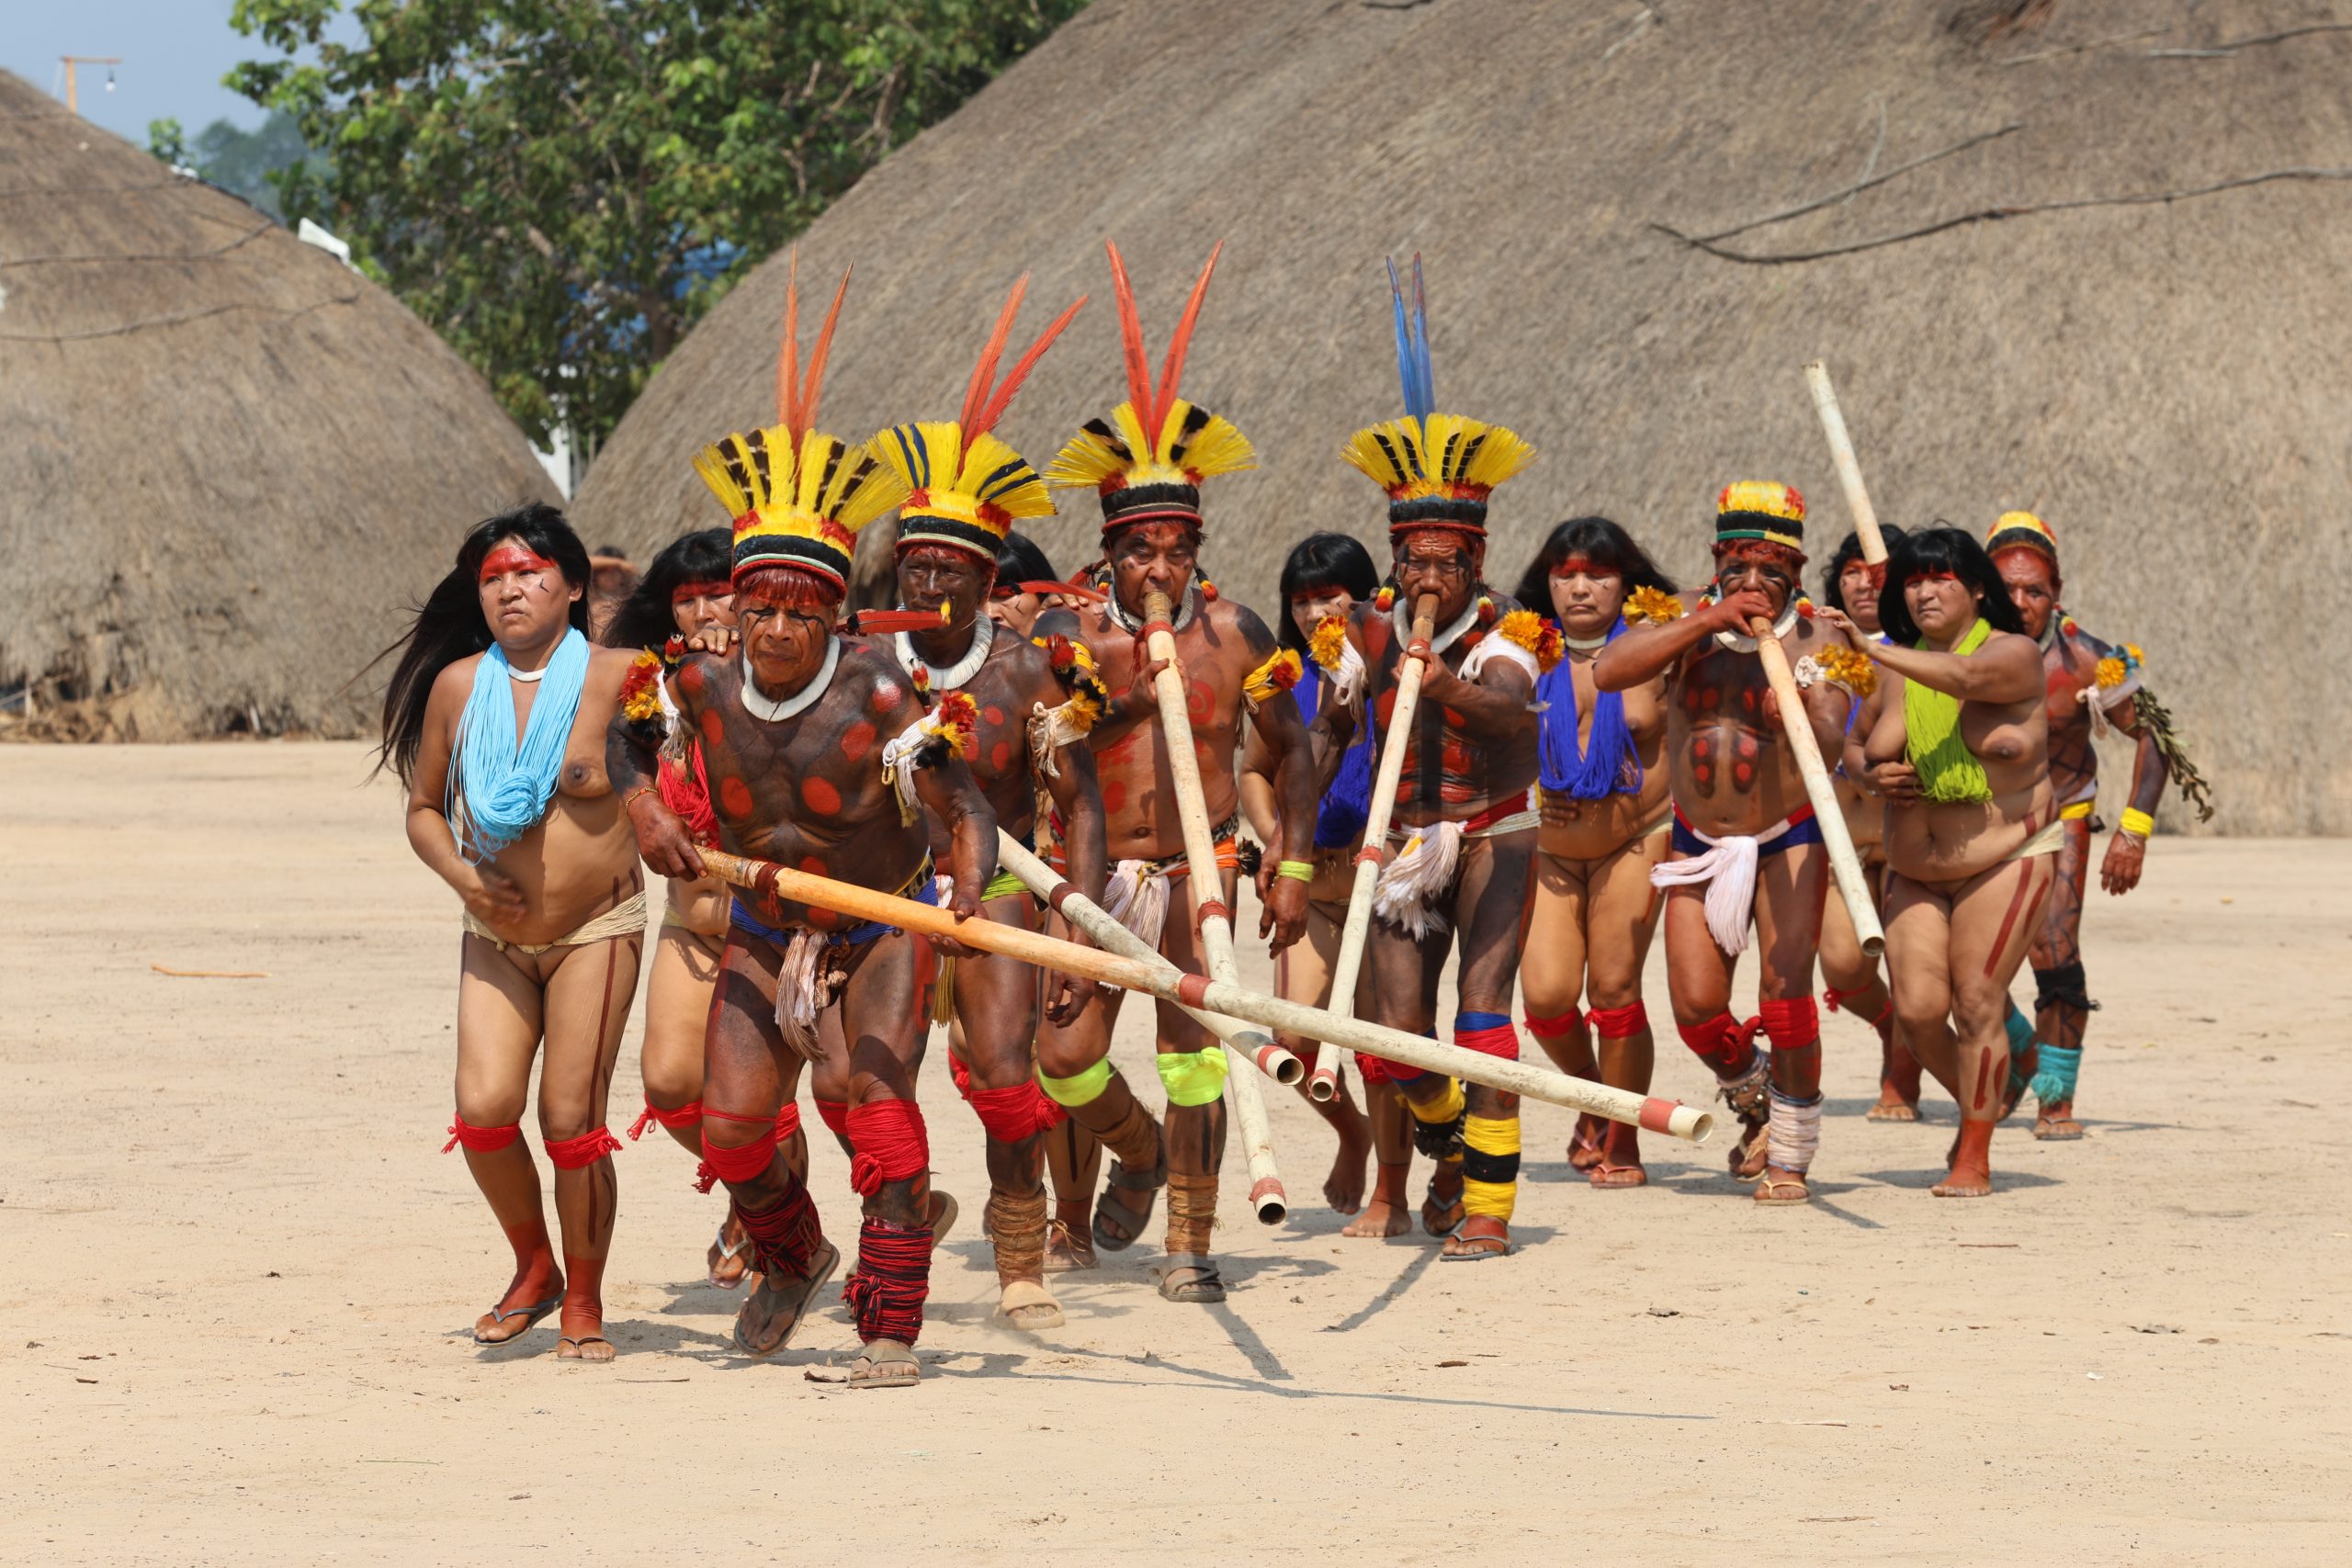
{"points": [[1173, 367], [1131, 342]]}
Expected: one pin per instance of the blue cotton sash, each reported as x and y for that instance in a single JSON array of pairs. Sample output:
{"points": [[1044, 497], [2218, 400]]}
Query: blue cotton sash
{"points": [[1609, 764], [498, 789], [1345, 806]]}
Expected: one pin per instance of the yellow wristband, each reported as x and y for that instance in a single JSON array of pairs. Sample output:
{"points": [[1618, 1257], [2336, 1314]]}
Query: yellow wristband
{"points": [[1296, 870], [2138, 822]]}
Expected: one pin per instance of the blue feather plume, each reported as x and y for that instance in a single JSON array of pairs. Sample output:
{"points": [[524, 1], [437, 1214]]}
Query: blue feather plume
{"points": [[1425, 383], [1405, 373]]}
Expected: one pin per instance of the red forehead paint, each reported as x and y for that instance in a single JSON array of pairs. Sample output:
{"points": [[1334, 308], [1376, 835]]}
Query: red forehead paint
{"points": [[711, 588], [1930, 577], [513, 558], [1578, 566]]}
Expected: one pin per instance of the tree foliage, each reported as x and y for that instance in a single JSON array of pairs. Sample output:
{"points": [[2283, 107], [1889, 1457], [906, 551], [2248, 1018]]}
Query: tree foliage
{"points": [[239, 161], [563, 187]]}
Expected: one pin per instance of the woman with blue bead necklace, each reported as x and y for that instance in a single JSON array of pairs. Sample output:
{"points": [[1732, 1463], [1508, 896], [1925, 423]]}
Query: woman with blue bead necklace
{"points": [[1605, 818], [495, 722]]}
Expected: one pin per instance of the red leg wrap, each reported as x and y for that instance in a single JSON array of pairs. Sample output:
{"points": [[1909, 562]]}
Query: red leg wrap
{"points": [[1558, 1024], [1497, 1040], [579, 1153], [961, 1071], [1619, 1023], [888, 1143], [893, 1278], [1723, 1043], [481, 1140], [786, 1234], [1379, 1069], [1794, 1026], [1015, 1113], [743, 1162], [686, 1115], [788, 1121], [834, 1113]]}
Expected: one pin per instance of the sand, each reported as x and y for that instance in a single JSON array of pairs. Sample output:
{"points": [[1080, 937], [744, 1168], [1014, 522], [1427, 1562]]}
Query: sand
{"points": [[240, 1277]]}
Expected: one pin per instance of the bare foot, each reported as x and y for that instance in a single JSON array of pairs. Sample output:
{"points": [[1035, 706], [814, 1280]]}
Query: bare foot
{"points": [[1343, 1189], [1783, 1186], [1587, 1150], [2056, 1122], [1608, 1175], [1380, 1219], [1969, 1159], [729, 1257], [779, 1302], [532, 1295], [1482, 1235]]}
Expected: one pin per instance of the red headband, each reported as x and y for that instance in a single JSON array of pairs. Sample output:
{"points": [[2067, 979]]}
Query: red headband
{"points": [[513, 558], [702, 588]]}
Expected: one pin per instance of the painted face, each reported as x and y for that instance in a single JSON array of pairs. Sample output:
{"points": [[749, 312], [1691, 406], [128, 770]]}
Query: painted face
{"points": [[523, 597], [1311, 606], [1941, 606], [932, 575], [1768, 569], [784, 644], [1149, 556], [1017, 610], [1442, 561], [697, 606], [1586, 597], [1859, 587], [2033, 587]]}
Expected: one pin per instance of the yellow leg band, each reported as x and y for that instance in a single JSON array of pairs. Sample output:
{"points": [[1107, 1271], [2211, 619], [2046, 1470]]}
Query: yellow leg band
{"points": [[1489, 1165], [1445, 1110], [2076, 812], [1192, 1077], [1084, 1089], [1494, 1200]]}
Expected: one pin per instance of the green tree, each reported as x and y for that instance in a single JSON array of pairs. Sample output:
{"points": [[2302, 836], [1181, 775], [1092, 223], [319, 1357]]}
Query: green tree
{"points": [[563, 187], [239, 161]]}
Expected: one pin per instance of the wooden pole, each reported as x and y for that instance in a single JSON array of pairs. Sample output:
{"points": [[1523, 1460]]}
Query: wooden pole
{"points": [[1850, 470], [1845, 866], [1676, 1120], [1324, 1084], [1211, 918], [1244, 1046]]}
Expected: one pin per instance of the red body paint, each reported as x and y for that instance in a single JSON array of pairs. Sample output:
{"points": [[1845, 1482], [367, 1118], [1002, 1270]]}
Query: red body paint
{"points": [[513, 558], [820, 796]]}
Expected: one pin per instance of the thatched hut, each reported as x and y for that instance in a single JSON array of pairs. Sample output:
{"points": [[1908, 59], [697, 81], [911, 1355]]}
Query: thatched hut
{"points": [[2150, 343], [227, 461]]}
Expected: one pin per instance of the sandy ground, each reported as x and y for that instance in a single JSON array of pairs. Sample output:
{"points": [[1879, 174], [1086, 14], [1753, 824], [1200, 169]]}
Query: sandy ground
{"points": [[239, 1275]]}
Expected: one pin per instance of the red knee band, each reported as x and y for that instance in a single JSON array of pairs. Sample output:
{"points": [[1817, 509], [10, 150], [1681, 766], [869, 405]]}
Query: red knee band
{"points": [[788, 1121], [1015, 1113], [1619, 1023], [481, 1140], [741, 1162], [686, 1115], [579, 1153], [1791, 1023], [1496, 1040], [1722, 1042], [834, 1113], [961, 1071], [1557, 1024], [888, 1143], [1375, 1069]]}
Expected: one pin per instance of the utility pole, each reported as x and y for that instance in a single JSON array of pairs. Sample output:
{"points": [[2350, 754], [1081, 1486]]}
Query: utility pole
{"points": [[73, 95]]}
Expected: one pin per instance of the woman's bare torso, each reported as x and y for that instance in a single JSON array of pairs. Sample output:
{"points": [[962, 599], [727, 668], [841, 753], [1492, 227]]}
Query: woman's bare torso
{"points": [[1940, 842], [1576, 829]]}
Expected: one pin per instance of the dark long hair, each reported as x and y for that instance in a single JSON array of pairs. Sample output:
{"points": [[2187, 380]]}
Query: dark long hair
{"points": [[1937, 549], [1849, 550], [449, 623], [643, 619], [1019, 559], [1599, 541], [1323, 561]]}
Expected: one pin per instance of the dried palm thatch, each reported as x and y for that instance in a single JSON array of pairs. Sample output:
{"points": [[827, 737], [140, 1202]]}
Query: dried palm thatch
{"points": [[2165, 377], [227, 461]]}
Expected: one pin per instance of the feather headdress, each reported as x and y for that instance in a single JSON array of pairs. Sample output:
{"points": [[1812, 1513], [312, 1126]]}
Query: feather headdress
{"points": [[964, 487], [1438, 468], [1147, 461], [798, 496], [2016, 530]]}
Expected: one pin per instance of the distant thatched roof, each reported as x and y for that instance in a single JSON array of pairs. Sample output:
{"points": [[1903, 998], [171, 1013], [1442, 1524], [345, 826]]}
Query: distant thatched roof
{"points": [[2167, 382], [226, 460]]}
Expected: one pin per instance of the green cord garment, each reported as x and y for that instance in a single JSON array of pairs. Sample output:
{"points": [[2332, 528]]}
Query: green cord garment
{"points": [[1948, 770]]}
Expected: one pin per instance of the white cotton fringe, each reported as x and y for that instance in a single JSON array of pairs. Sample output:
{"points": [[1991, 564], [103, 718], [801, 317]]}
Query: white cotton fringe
{"points": [[897, 765], [1420, 872], [801, 994], [676, 735], [1494, 646], [1348, 679], [1729, 871], [1796, 1132], [1050, 729], [1137, 897]]}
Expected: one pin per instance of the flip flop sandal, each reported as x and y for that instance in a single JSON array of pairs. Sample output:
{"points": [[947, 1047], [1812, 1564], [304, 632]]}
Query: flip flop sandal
{"points": [[725, 1254], [1905, 1110], [2062, 1128], [537, 1310], [1136, 1221], [907, 1372], [1026, 1296], [1200, 1283], [1480, 1243], [944, 1209], [1602, 1175], [822, 1265], [1442, 1219], [577, 1345], [1585, 1151], [1067, 1250], [1784, 1190]]}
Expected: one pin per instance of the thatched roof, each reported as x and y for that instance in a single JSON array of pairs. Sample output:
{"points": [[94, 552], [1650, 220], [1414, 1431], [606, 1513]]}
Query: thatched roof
{"points": [[226, 460], [2167, 382]]}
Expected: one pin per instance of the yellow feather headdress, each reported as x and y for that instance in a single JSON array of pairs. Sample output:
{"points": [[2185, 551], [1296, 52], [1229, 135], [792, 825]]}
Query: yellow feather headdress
{"points": [[1147, 461], [1438, 468], [798, 496], [963, 486]]}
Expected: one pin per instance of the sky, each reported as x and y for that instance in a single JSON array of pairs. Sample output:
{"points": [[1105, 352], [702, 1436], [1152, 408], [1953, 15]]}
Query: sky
{"points": [[174, 54]]}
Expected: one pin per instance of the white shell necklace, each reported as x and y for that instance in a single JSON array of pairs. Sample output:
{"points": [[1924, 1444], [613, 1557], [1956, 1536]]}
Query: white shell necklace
{"points": [[1780, 628], [1444, 639], [1119, 614], [760, 707], [948, 677]]}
